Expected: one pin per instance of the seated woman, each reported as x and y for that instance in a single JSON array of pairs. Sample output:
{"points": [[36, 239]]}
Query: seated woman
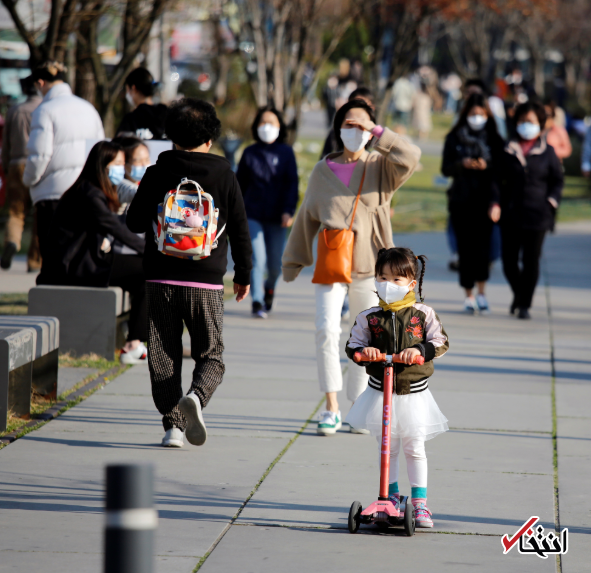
{"points": [[82, 229]]}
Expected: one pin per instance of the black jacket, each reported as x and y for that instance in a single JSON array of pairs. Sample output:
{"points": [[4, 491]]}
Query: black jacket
{"points": [[215, 176], [145, 116], [526, 184], [81, 222], [471, 188], [268, 177]]}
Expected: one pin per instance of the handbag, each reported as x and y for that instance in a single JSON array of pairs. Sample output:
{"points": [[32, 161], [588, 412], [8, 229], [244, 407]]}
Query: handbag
{"points": [[335, 252]]}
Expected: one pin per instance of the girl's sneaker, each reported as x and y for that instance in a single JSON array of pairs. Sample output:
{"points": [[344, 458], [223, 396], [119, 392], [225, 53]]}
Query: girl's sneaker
{"points": [[138, 355], [395, 499], [470, 305], [269, 296], [422, 513], [257, 310], [482, 304], [329, 423], [195, 432]]}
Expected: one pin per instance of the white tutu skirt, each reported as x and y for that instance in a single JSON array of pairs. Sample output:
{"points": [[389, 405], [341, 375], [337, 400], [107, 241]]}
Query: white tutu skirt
{"points": [[413, 415]]}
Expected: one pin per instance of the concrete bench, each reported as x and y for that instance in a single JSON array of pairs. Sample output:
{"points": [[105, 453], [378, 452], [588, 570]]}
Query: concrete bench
{"points": [[17, 349], [45, 353], [91, 319]]}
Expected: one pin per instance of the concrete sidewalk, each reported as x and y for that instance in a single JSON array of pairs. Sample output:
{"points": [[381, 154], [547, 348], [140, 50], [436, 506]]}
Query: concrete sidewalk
{"points": [[265, 494]]}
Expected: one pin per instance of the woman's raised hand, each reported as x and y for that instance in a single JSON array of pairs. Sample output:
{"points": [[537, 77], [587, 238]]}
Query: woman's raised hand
{"points": [[365, 124]]}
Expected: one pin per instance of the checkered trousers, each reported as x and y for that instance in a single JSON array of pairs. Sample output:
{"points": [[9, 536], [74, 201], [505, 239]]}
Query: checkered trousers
{"points": [[202, 311]]}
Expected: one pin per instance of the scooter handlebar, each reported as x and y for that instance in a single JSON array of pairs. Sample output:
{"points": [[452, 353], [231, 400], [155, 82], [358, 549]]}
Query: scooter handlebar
{"points": [[358, 357]]}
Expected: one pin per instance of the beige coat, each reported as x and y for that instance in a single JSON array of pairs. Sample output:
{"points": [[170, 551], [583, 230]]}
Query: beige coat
{"points": [[328, 204]]}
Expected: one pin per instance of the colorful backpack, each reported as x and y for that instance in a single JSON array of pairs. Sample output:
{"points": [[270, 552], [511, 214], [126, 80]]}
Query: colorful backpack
{"points": [[187, 223]]}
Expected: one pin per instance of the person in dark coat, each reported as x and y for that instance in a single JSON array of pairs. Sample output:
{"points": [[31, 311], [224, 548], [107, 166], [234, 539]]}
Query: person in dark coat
{"points": [[471, 153], [268, 177], [530, 183], [146, 120], [82, 231]]}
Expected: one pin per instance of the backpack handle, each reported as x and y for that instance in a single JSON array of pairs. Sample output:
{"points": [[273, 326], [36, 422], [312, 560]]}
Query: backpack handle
{"points": [[185, 181]]}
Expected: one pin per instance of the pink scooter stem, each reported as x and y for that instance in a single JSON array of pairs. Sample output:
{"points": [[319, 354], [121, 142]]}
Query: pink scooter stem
{"points": [[386, 414]]}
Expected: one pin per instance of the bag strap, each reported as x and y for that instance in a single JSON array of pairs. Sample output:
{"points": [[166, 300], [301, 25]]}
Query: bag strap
{"points": [[186, 181], [357, 200]]}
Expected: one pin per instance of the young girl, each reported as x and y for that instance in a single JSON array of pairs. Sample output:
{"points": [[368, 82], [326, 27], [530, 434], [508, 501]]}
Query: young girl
{"points": [[401, 325]]}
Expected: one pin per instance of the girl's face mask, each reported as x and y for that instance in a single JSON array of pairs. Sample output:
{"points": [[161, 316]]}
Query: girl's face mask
{"points": [[476, 122], [138, 171], [268, 132], [391, 292], [528, 130]]}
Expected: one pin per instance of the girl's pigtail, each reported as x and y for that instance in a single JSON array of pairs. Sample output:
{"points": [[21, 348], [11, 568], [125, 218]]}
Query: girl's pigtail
{"points": [[421, 258]]}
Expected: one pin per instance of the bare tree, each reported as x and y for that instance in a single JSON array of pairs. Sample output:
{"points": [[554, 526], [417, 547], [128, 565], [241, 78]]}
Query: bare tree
{"points": [[81, 17]]}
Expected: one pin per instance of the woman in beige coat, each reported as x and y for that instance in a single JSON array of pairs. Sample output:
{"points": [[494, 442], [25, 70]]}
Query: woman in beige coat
{"points": [[328, 204]]}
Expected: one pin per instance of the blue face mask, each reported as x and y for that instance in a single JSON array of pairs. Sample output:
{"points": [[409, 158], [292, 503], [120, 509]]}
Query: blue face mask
{"points": [[138, 171], [528, 130], [116, 174]]}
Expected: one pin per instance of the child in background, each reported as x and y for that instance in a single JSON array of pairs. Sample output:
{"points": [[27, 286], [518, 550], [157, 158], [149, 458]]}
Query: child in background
{"points": [[181, 290], [401, 325]]}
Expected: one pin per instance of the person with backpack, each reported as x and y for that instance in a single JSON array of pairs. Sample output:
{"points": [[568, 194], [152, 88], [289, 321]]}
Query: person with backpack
{"points": [[189, 203]]}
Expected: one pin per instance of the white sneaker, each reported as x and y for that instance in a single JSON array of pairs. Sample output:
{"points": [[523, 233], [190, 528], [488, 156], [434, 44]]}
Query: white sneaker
{"points": [[195, 432], [138, 355], [358, 430], [329, 423], [470, 305], [173, 438]]}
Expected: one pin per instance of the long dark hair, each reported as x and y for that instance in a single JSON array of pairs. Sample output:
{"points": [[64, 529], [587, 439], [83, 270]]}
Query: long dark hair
{"points": [[282, 127], [478, 100], [96, 173], [339, 117], [403, 263]]}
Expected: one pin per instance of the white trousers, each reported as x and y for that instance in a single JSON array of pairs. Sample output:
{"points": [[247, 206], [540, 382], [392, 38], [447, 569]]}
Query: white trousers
{"points": [[416, 459], [329, 303]]}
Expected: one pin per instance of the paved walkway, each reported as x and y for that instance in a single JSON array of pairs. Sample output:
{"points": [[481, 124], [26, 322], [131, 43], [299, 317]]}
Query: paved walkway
{"points": [[265, 494]]}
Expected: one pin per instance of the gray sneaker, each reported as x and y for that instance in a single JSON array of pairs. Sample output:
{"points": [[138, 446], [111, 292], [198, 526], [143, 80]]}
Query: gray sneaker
{"points": [[195, 432]]}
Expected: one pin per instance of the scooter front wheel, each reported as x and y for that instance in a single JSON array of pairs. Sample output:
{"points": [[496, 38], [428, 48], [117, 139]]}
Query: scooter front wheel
{"points": [[409, 518], [354, 517]]}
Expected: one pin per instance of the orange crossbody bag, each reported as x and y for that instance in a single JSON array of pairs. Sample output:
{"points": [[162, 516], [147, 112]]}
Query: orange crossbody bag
{"points": [[335, 252]]}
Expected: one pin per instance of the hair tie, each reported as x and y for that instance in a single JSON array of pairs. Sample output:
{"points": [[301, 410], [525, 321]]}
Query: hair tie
{"points": [[416, 258]]}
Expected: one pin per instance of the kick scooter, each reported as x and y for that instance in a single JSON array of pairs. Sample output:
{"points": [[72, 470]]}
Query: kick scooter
{"points": [[383, 512]]}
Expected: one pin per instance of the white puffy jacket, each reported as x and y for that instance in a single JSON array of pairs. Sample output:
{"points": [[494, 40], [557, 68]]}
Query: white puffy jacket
{"points": [[56, 151]]}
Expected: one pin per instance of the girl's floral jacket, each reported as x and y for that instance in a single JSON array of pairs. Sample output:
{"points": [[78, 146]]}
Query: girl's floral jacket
{"points": [[417, 326]]}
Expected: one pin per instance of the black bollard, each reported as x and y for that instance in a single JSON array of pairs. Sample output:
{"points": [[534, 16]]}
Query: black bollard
{"points": [[130, 519]]}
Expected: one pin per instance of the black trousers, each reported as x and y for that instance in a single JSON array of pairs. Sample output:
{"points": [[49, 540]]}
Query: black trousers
{"points": [[127, 273], [45, 211], [202, 311], [473, 234], [527, 245]]}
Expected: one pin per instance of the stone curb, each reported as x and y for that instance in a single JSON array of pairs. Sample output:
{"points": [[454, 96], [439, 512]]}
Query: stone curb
{"points": [[54, 411]]}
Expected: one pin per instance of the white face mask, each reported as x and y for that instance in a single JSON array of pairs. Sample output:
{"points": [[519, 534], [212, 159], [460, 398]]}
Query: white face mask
{"points": [[390, 292], [268, 132], [354, 139], [528, 130], [129, 99], [476, 122]]}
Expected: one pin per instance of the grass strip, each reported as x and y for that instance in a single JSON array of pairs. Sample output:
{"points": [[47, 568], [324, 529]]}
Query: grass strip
{"points": [[256, 487], [74, 398], [553, 409]]}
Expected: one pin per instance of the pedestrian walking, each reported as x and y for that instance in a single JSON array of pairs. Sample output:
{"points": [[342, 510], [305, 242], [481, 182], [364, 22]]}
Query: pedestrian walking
{"points": [[56, 151], [268, 177], [146, 120], [182, 288], [556, 135], [531, 180], [400, 324], [471, 153], [421, 112], [17, 128], [350, 190]]}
